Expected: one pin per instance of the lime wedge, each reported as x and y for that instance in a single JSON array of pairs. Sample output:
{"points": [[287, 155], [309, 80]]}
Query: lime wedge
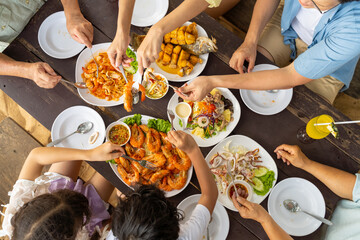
{"points": [[261, 171], [333, 130], [258, 185]]}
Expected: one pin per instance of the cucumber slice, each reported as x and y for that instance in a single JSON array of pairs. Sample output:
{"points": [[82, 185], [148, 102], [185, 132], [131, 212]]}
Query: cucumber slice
{"points": [[258, 185], [261, 171]]}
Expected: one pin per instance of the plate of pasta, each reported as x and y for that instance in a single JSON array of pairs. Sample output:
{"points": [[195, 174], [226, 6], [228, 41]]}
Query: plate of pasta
{"points": [[250, 163], [107, 89]]}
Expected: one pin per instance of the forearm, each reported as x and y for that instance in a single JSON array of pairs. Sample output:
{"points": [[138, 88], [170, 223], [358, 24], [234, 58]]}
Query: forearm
{"points": [[274, 231], [209, 192], [126, 8], [10, 67], [263, 11], [71, 7], [282, 78], [184, 12], [340, 182]]}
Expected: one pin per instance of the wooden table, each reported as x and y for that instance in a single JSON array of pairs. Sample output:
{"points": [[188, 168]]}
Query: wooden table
{"points": [[269, 131]]}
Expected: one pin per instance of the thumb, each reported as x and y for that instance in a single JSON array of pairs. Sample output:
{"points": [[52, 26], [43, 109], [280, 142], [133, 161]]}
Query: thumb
{"points": [[243, 202], [48, 69], [285, 154], [185, 88]]}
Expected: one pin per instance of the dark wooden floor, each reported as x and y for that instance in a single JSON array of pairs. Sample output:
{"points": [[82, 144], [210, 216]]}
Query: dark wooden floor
{"points": [[240, 16]]}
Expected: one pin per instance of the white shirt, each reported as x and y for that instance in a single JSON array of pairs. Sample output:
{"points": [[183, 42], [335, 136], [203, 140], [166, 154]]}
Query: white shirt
{"points": [[192, 229], [305, 22]]}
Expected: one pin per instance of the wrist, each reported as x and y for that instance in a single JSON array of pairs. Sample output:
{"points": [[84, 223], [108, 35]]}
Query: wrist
{"points": [[29, 70], [251, 39], [265, 220], [307, 165], [157, 30]]}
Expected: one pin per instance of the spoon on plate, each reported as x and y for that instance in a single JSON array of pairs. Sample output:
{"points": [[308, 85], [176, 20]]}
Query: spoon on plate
{"points": [[85, 127], [81, 85], [293, 206]]}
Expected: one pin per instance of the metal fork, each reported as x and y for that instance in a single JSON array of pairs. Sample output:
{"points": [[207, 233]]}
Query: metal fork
{"points": [[143, 163], [97, 67], [172, 117]]}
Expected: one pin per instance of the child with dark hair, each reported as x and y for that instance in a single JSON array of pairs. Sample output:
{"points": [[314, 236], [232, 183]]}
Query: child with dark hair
{"points": [[57, 205], [147, 214]]}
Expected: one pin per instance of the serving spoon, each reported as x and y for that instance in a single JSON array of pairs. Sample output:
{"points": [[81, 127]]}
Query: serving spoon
{"points": [[85, 127], [81, 85]]}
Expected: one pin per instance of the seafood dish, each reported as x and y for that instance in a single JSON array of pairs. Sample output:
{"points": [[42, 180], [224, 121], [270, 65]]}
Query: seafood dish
{"points": [[181, 49], [119, 134], [210, 116], [156, 87], [148, 142], [245, 166]]}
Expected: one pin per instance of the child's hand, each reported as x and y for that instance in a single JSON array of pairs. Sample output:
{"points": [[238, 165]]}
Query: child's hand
{"points": [[250, 210], [106, 151], [292, 154], [182, 140]]}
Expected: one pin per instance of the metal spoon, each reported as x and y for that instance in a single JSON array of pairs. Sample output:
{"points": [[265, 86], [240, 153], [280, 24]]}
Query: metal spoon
{"points": [[81, 85], [97, 67], [293, 206], [272, 91], [85, 127], [228, 166]]}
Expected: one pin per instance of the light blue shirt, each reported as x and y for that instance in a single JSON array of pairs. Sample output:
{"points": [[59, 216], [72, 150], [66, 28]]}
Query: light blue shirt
{"points": [[346, 217], [335, 48]]}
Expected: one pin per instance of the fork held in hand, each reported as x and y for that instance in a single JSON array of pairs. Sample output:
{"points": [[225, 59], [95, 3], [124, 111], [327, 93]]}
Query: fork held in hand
{"points": [[172, 117], [143, 163]]}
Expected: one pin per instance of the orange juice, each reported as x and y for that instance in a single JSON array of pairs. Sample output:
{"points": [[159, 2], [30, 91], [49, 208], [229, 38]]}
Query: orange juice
{"points": [[318, 132]]}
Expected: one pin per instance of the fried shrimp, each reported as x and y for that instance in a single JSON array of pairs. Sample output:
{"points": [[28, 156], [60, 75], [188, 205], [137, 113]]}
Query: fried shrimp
{"points": [[183, 162], [131, 177], [163, 185], [178, 181], [137, 138], [165, 142], [158, 159], [137, 154], [158, 175], [125, 163], [153, 141]]}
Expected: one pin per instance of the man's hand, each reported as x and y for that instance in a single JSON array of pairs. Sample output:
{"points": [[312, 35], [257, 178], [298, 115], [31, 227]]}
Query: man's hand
{"points": [[250, 210], [183, 141], [80, 29], [292, 155], [43, 75], [106, 151], [246, 52], [117, 49], [149, 49], [196, 90]]}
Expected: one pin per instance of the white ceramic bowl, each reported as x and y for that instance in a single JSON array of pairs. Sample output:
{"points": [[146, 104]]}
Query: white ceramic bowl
{"points": [[146, 78], [114, 124], [245, 184]]}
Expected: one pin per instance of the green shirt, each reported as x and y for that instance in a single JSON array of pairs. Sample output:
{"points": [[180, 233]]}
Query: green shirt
{"points": [[14, 15]]}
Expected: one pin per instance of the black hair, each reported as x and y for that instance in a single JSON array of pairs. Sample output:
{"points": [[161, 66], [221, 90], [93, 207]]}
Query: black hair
{"points": [[146, 214], [59, 216]]}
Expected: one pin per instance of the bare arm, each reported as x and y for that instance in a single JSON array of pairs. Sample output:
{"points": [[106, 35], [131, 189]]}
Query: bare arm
{"points": [[340, 182], [10, 67], [274, 231], [42, 156], [209, 192]]}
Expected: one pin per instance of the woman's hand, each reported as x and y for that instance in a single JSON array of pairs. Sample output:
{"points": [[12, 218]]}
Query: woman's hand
{"points": [[197, 89], [106, 151], [80, 29], [247, 51], [43, 75], [250, 210], [117, 49], [183, 141], [149, 49], [292, 155]]}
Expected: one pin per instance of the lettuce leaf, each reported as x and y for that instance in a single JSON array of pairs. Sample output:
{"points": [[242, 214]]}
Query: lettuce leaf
{"points": [[159, 125], [267, 180], [135, 119], [134, 64]]}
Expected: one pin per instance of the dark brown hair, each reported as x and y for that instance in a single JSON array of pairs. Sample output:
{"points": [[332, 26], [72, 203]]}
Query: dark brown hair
{"points": [[58, 215]]}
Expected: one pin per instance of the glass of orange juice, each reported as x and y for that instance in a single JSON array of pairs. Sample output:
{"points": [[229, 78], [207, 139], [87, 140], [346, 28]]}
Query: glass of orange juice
{"points": [[311, 131]]}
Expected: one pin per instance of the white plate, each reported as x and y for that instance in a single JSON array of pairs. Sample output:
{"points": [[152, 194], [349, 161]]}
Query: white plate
{"points": [[144, 120], [55, 40], [198, 68], [147, 13], [309, 198], [220, 135], [250, 145], [83, 59], [263, 102], [219, 225], [68, 121]]}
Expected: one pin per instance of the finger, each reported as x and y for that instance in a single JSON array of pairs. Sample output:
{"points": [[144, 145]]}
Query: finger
{"points": [[45, 83], [189, 97], [171, 137], [240, 64], [284, 154], [140, 65], [89, 36], [119, 59], [111, 55], [83, 38], [90, 31], [48, 69], [281, 147], [251, 64], [243, 202]]}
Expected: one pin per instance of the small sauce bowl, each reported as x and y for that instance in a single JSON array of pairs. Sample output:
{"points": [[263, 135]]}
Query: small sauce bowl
{"points": [[183, 111], [240, 186], [111, 133]]}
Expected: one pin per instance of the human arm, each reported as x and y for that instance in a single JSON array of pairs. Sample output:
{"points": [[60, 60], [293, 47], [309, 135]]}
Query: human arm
{"points": [[263, 11], [41, 73], [340, 182], [42, 156], [150, 47], [281, 78], [209, 192], [256, 212], [118, 47], [79, 28]]}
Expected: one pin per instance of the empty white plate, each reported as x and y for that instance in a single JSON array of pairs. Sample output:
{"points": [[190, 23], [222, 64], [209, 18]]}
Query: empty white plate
{"points": [[55, 40], [68, 121], [263, 102], [147, 13], [309, 198]]}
